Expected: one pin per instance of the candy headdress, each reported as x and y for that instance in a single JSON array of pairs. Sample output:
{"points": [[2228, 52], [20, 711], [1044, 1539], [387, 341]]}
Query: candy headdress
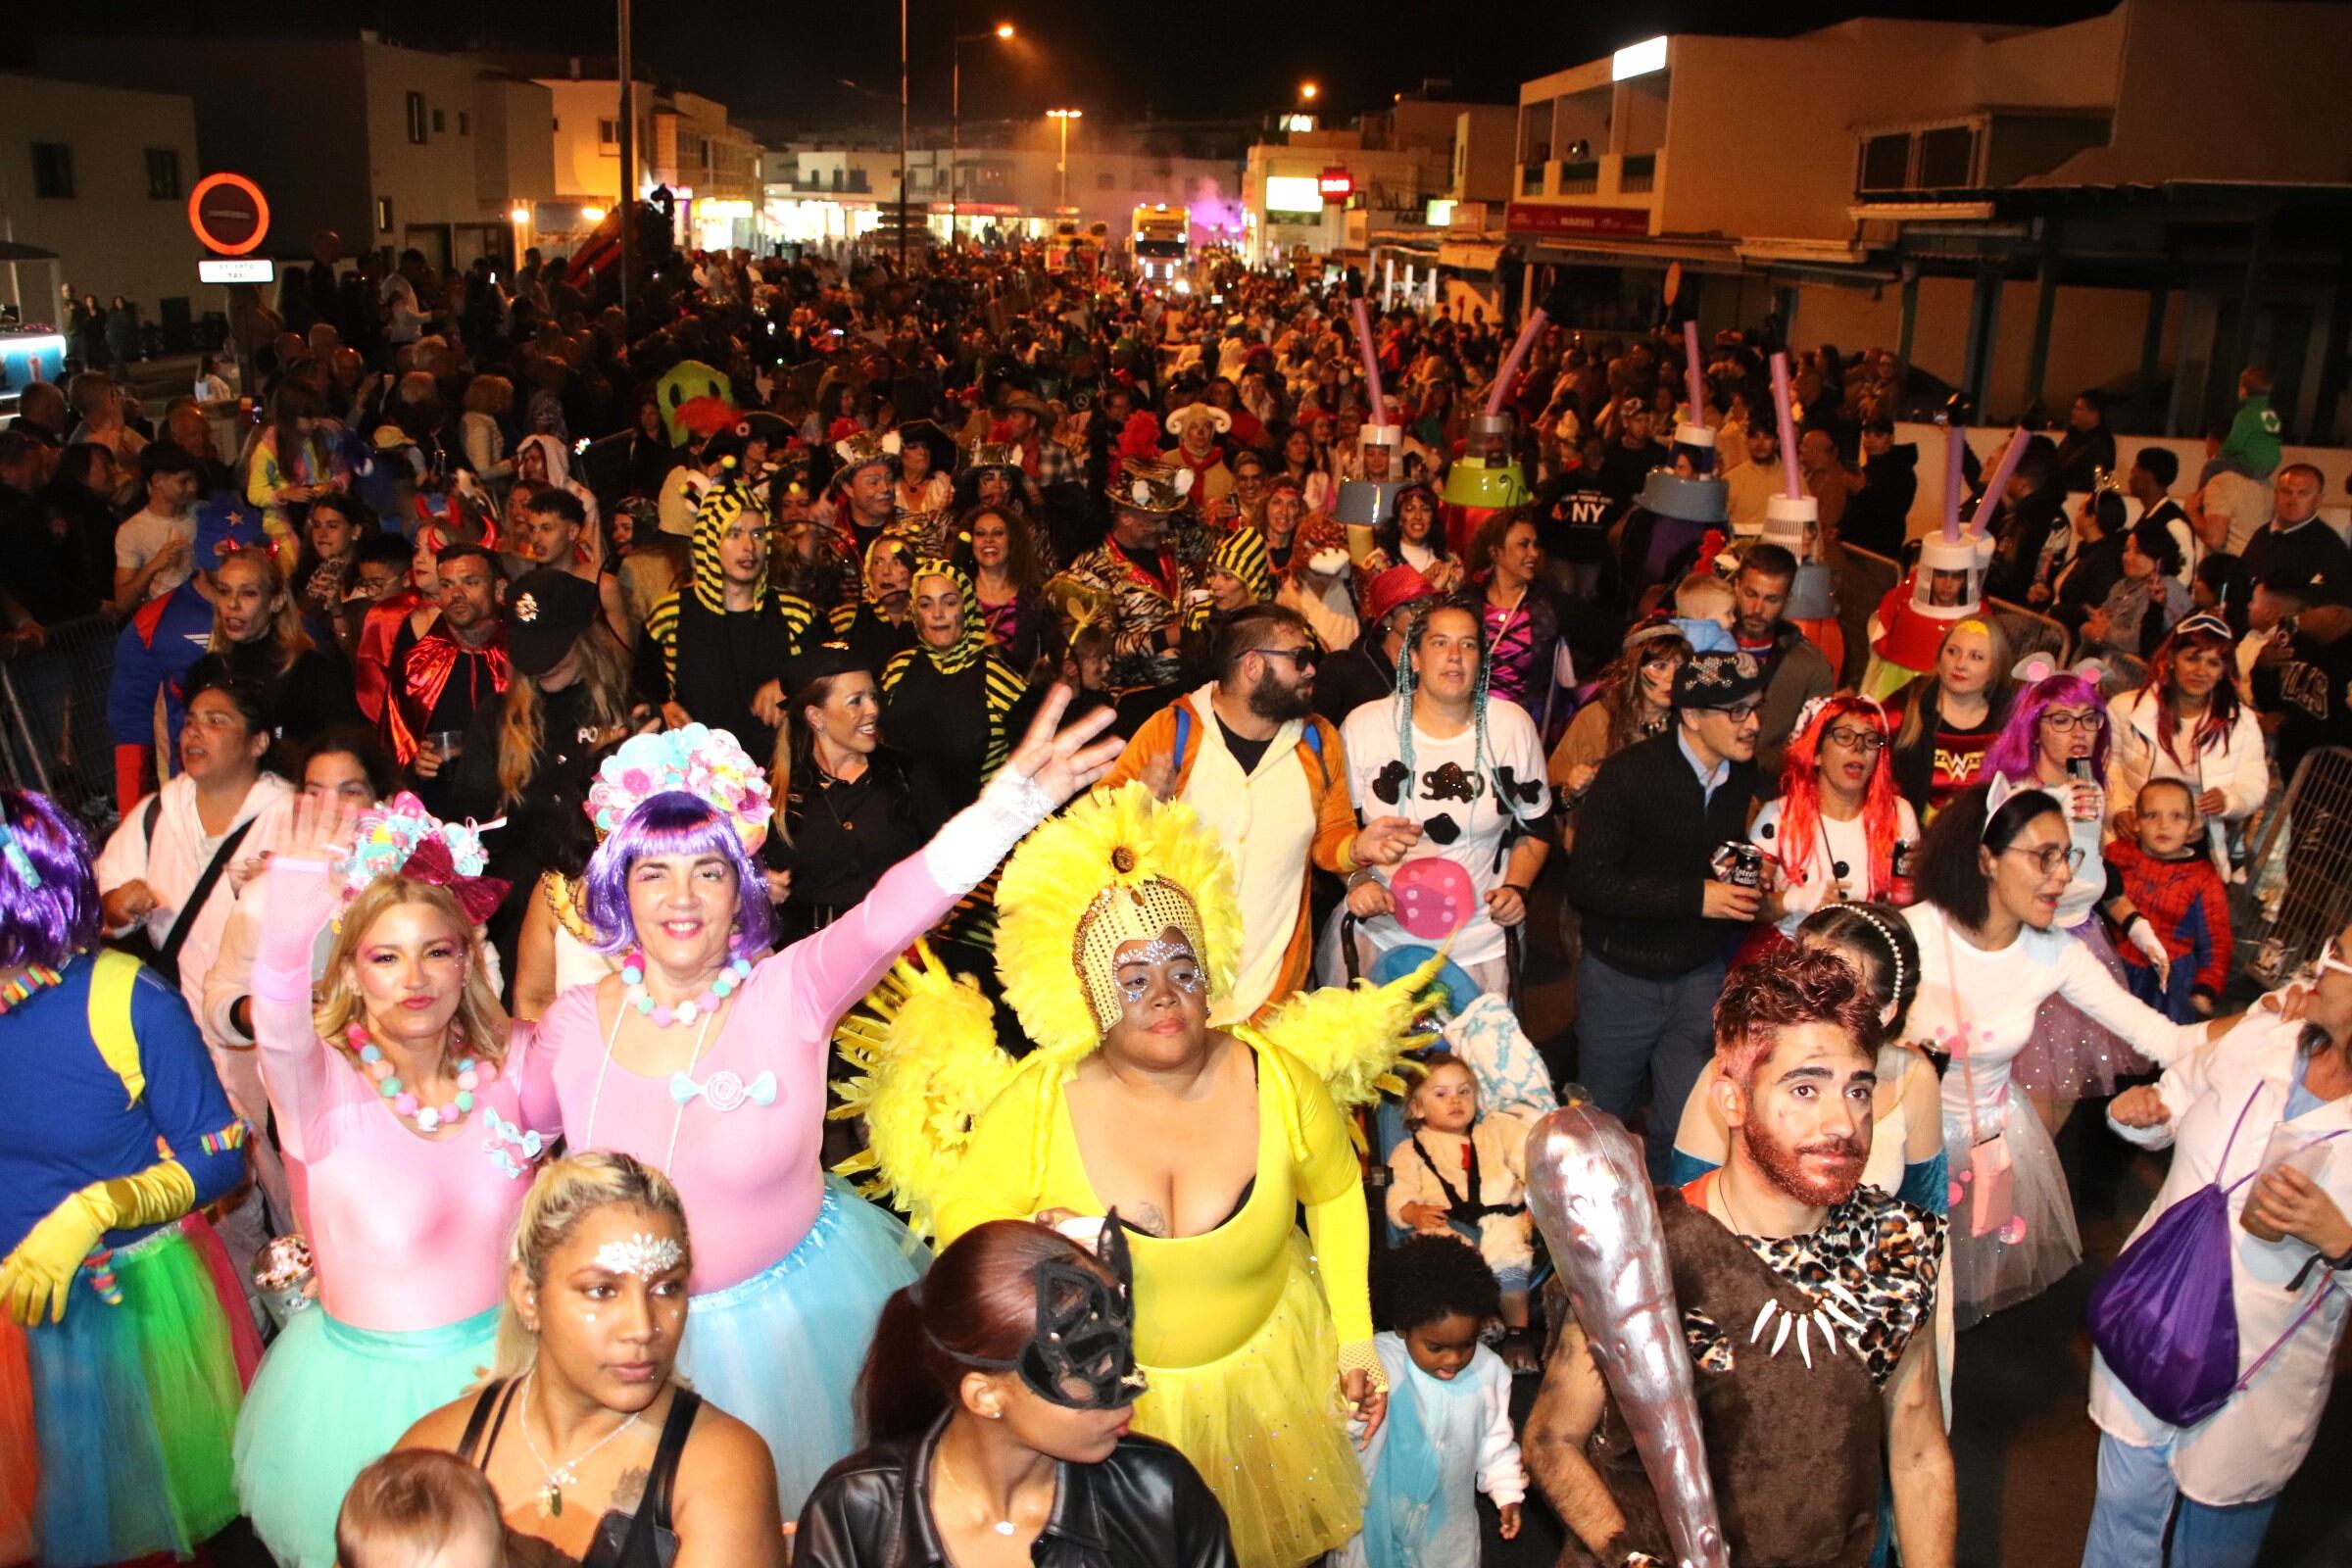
{"points": [[708, 764], [401, 838], [1119, 866]]}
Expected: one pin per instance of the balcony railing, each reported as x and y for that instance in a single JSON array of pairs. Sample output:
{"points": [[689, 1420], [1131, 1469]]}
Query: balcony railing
{"points": [[1580, 178], [1637, 175], [1531, 179]]}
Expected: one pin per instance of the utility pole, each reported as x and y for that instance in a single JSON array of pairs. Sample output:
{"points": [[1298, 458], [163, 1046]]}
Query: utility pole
{"points": [[626, 207], [902, 139]]}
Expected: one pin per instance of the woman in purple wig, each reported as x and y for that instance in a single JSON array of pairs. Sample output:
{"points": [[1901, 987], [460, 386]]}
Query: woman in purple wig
{"points": [[2056, 741], [705, 1057]]}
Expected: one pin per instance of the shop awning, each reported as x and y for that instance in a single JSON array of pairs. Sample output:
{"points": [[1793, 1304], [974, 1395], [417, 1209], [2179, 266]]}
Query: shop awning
{"points": [[1470, 258]]}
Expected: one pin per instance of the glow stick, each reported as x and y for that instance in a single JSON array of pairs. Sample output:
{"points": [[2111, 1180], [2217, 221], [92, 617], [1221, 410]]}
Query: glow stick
{"points": [[1509, 374], [1955, 455], [1982, 520], [1793, 481], [1694, 380], [1364, 346]]}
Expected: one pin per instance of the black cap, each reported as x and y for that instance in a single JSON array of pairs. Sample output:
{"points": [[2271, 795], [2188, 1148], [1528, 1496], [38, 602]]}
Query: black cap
{"points": [[821, 662], [546, 611]]}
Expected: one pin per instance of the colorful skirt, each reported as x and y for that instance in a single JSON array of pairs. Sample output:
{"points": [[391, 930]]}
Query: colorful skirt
{"points": [[2038, 1246], [2071, 1055], [781, 1352], [128, 1410], [330, 1399], [1266, 1428]]}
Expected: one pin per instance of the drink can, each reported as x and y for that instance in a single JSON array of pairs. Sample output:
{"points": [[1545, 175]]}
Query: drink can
{"points": [[1898, 863], [1740, 865]]}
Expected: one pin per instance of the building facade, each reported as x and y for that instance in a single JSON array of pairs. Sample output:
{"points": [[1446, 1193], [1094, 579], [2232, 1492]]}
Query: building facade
{"points": [[2018, 213], [99, 178], [384, 145]]}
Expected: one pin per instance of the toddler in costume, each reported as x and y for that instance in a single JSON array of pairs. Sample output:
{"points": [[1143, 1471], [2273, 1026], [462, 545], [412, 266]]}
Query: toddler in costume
{"points": [[1463, 1175], [2171, 878], [1448, 1432], [420, 1508], [1702, 610]]}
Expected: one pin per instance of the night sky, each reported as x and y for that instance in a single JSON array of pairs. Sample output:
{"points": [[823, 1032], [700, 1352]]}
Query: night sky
{"points": [[785, 59]]}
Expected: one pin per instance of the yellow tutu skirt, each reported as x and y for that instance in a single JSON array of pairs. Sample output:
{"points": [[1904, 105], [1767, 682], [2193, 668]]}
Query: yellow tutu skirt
{"points": [[1266, 1428]]}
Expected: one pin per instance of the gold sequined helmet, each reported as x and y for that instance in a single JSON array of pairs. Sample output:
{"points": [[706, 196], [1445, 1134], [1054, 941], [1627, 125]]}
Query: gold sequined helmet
{"points": [[1119, 866]]}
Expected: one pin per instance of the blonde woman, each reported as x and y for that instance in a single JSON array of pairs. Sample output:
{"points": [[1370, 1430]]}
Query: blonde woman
{"points": [[397, 1093], [258, 636], [598, 1455]]}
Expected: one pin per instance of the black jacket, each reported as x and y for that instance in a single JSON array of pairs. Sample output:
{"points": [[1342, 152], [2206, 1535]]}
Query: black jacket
{"points": [[1644, 835], [1877, 516], [1144, 1508], [1354, 676]]}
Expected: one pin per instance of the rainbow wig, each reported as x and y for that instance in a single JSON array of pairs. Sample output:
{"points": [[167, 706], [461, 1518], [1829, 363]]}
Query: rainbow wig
{"points": [[672, 822], [1800, 795], [48, 893], [2012, 752]]}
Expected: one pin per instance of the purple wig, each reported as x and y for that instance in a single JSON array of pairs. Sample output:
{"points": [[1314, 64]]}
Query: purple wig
{"points": [[49, 923], [672, 822], [2012, 754]]}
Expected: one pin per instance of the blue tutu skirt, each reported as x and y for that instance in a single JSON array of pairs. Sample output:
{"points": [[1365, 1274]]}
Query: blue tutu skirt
{"points": [[329, 1400], [132, 1404], [781, 1352]]}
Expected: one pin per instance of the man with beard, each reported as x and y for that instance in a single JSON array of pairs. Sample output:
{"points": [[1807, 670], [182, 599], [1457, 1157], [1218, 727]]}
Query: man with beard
{"points": [[1804, 1296], [1796, 672], [1248, 753], [439, 676]]}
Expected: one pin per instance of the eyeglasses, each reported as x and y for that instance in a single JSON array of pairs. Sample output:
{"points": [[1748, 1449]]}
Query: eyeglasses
{"points": [[1305, 659], [2068, 723], [1742, 714], [2051, 856], [2327, 961], [1859, 740]]}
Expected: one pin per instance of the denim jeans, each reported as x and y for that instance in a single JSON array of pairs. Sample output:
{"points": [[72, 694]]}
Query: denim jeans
{"points": [[2137, 1497], [1629, 1030]]}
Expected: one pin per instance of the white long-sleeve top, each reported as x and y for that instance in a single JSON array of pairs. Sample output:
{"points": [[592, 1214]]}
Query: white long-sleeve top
{"points": [[2252, 1445], [1983, 1003], [2238, 767], [1492, 1465]]}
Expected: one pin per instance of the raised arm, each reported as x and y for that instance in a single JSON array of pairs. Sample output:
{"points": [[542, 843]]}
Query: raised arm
{"points": [[300, 894], [815, 981]]}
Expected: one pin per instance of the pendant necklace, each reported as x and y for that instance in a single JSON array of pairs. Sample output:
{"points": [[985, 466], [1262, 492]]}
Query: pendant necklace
{"points": [[1002, 1527], [550, 1495]]}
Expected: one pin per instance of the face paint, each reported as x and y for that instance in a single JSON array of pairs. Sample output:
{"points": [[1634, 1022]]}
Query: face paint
{"points": [[643, 1253]]}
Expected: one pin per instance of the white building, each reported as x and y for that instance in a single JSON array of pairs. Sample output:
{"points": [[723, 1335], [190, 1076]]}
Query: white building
{"points": [[383, 144], [100, 176]]}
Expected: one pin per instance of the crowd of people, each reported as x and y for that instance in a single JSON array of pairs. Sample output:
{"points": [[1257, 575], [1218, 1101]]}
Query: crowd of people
{"points": [[857, 916]]}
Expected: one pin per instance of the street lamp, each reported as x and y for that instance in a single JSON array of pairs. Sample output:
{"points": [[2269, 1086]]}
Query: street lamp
{"points": [[1061, 161], [1003, 29], [1309, 91]]}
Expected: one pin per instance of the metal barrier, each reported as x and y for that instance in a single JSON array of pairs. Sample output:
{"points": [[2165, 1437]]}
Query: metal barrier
{"points": [[2029, 632], [53, 731], [2303, 864]]}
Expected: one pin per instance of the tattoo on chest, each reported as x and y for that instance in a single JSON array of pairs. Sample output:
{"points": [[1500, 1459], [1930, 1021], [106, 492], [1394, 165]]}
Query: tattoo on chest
{"points": [[630, 1490], [1148, 1219]]}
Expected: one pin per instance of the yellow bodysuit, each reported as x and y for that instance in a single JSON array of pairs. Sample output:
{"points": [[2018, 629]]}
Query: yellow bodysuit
{"points": [[1238, 1338]]}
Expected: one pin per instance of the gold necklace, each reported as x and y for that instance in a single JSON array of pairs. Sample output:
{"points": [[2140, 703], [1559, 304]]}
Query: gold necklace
{"points": [[980, 1510]]}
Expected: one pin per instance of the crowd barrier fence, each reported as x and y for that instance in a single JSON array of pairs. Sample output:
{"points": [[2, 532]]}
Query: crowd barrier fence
{"points": [[53, 731], [2302, 865]]}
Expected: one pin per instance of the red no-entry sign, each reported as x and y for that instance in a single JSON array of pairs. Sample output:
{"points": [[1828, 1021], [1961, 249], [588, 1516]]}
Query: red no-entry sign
{"points": [[228, 213]]}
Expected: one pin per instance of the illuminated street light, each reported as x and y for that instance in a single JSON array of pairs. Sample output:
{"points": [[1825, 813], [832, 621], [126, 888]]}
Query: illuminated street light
{"points": [[592, 214], [1004, 29], [520, 214], [1061, 161], [1309, 91], [1001, 31]]}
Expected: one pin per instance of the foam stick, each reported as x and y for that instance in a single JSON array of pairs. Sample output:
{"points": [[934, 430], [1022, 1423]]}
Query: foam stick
{"points": [[1694, 381], [1509, 374], [1999, 481], [1955, 454], [1364, 346], [1792, 478]]}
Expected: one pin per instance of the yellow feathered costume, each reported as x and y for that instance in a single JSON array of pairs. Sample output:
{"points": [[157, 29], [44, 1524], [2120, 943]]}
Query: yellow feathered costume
{"points": [[1239, 1328]]}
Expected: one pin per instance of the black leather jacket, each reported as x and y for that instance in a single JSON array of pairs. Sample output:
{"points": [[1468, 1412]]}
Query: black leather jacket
{"points": [[1144, 1508]]}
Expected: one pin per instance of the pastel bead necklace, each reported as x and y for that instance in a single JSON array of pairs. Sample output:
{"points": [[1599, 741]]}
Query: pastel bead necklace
{"points": [[473, 1076], [662, 1014]]}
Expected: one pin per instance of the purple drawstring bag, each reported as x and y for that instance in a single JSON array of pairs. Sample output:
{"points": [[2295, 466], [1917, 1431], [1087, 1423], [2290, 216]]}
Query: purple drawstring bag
{"points": [[2165, 1316]]}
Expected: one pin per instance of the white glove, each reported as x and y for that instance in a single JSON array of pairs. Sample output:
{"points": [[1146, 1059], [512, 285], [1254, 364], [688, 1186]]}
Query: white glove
{"points": [[2141, 934]]}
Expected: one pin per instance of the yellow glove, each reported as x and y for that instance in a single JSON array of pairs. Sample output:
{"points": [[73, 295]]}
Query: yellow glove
{"points": [[36, 1276]]}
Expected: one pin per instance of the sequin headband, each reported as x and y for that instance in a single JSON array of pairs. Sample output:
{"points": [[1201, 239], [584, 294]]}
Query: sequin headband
{"points": [[1119, 915]]}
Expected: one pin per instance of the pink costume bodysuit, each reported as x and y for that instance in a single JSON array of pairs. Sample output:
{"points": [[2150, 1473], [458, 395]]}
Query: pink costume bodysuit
{"points": [[407, 1232], [738, 1133]]}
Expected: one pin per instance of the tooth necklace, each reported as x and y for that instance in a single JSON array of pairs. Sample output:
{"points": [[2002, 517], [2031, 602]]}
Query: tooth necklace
{"points": [[560, 1476]]}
